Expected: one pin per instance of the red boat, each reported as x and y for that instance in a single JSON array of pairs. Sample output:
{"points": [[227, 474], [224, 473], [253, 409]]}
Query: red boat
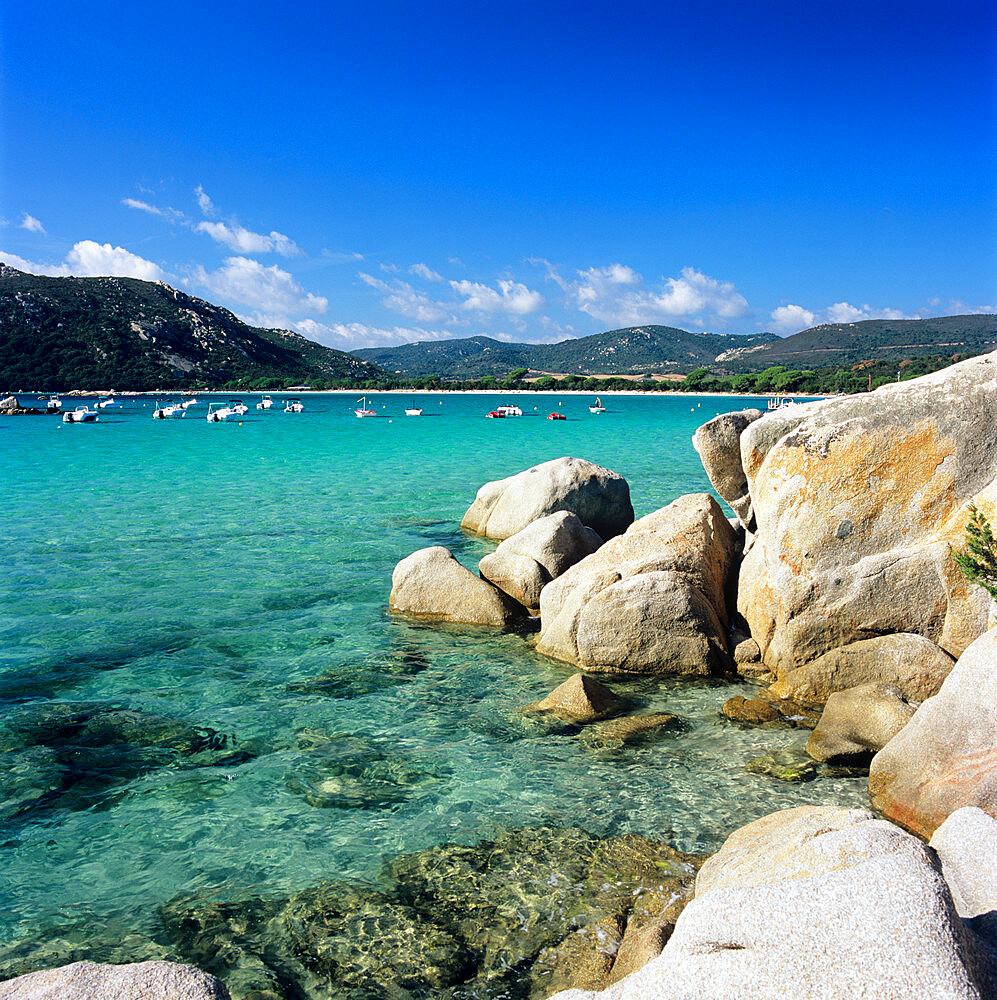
{"points": [[556, 416], [494, 413]]}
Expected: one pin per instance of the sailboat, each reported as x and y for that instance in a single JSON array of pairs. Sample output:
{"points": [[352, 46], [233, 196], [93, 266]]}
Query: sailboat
{"points": [[413, 410], [598, 408], [362, 411]]}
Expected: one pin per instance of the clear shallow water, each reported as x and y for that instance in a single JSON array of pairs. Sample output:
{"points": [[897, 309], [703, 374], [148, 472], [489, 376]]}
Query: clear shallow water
{"points": [[173, 581]]}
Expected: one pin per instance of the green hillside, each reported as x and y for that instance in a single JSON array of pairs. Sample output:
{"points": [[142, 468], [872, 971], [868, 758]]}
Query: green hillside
{"points": [[868, 340], [79, 333], [665, 350], [631, 351]]}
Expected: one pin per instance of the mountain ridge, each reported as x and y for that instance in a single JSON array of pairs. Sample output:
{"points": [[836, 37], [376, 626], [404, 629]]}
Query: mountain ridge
{"points": [[68, 332], [663, 350]]}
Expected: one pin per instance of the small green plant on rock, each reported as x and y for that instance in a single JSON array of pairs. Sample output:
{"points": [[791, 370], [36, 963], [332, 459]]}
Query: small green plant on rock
{"points": [[979, 561]]}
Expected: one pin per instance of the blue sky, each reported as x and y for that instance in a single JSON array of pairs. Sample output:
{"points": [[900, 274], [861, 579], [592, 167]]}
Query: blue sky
{"points": [[373, 172]]}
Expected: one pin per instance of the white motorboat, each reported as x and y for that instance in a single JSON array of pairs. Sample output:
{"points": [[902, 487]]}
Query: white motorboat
{"points": [[109, 404], [265, 403], [238, 406], [362, 410], [171, 411], [81, 415], [188, 403], [509, 410], [294, 406], [223, 412], [780, 402], [598, 408], [53, 404]]}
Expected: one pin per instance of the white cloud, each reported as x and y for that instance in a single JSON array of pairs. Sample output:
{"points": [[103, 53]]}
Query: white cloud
{"points": [[32, 225], [142, 206], [402, 298], [238, 238], [165, 213], [205, 204], [341, 257], [959, 308], [90, 259], [617, 295], [427, 273], [350, 336], [268, 289], [31, 267], [843, 312], [512, 297], [792, 319]]}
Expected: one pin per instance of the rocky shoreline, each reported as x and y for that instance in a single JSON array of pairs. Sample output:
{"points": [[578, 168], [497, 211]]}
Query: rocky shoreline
{"points": [[834, 585]]}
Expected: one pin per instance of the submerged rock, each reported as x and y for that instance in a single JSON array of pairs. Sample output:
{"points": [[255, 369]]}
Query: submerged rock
{"points": [[581, 961], [789, 764], [630, 729], [354, 772], [600, 498], [506, 917], [652, 601], [946, 756], [431, 583], [526, 562]]}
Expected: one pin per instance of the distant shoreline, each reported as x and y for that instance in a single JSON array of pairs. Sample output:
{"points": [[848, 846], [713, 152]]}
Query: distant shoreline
{"points": [[236, 394]]}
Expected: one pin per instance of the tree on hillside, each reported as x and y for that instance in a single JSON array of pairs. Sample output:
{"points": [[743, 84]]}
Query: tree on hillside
{"points": [[979, 560]]}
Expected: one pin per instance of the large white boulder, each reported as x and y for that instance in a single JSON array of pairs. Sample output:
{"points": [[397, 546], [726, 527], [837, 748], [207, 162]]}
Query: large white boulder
{"points": [[719, 448], [946, 756], [527, 561], [858, 501], [966, 845], [858, 722], [600, 498], [651, 601], [139, 981], [431, 583]]}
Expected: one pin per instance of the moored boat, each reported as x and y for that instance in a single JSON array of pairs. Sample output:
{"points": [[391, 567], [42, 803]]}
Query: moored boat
{"points": [[223, 412], [172, 411], [598, 407], [413, 410], [492, 414], [265, 403], [362, 410], [188, 403], [294, 406], [53, 404], [81, 415], [780, 402], [238, 406], [556, 416], [509, 410], [109, 404]]}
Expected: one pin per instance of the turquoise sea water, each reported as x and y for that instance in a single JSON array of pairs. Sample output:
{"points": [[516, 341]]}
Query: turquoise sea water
{"points": [[201, 687]]}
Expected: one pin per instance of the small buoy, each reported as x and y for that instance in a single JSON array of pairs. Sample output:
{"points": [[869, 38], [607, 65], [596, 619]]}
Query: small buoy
{"points": [[240, 423]]}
